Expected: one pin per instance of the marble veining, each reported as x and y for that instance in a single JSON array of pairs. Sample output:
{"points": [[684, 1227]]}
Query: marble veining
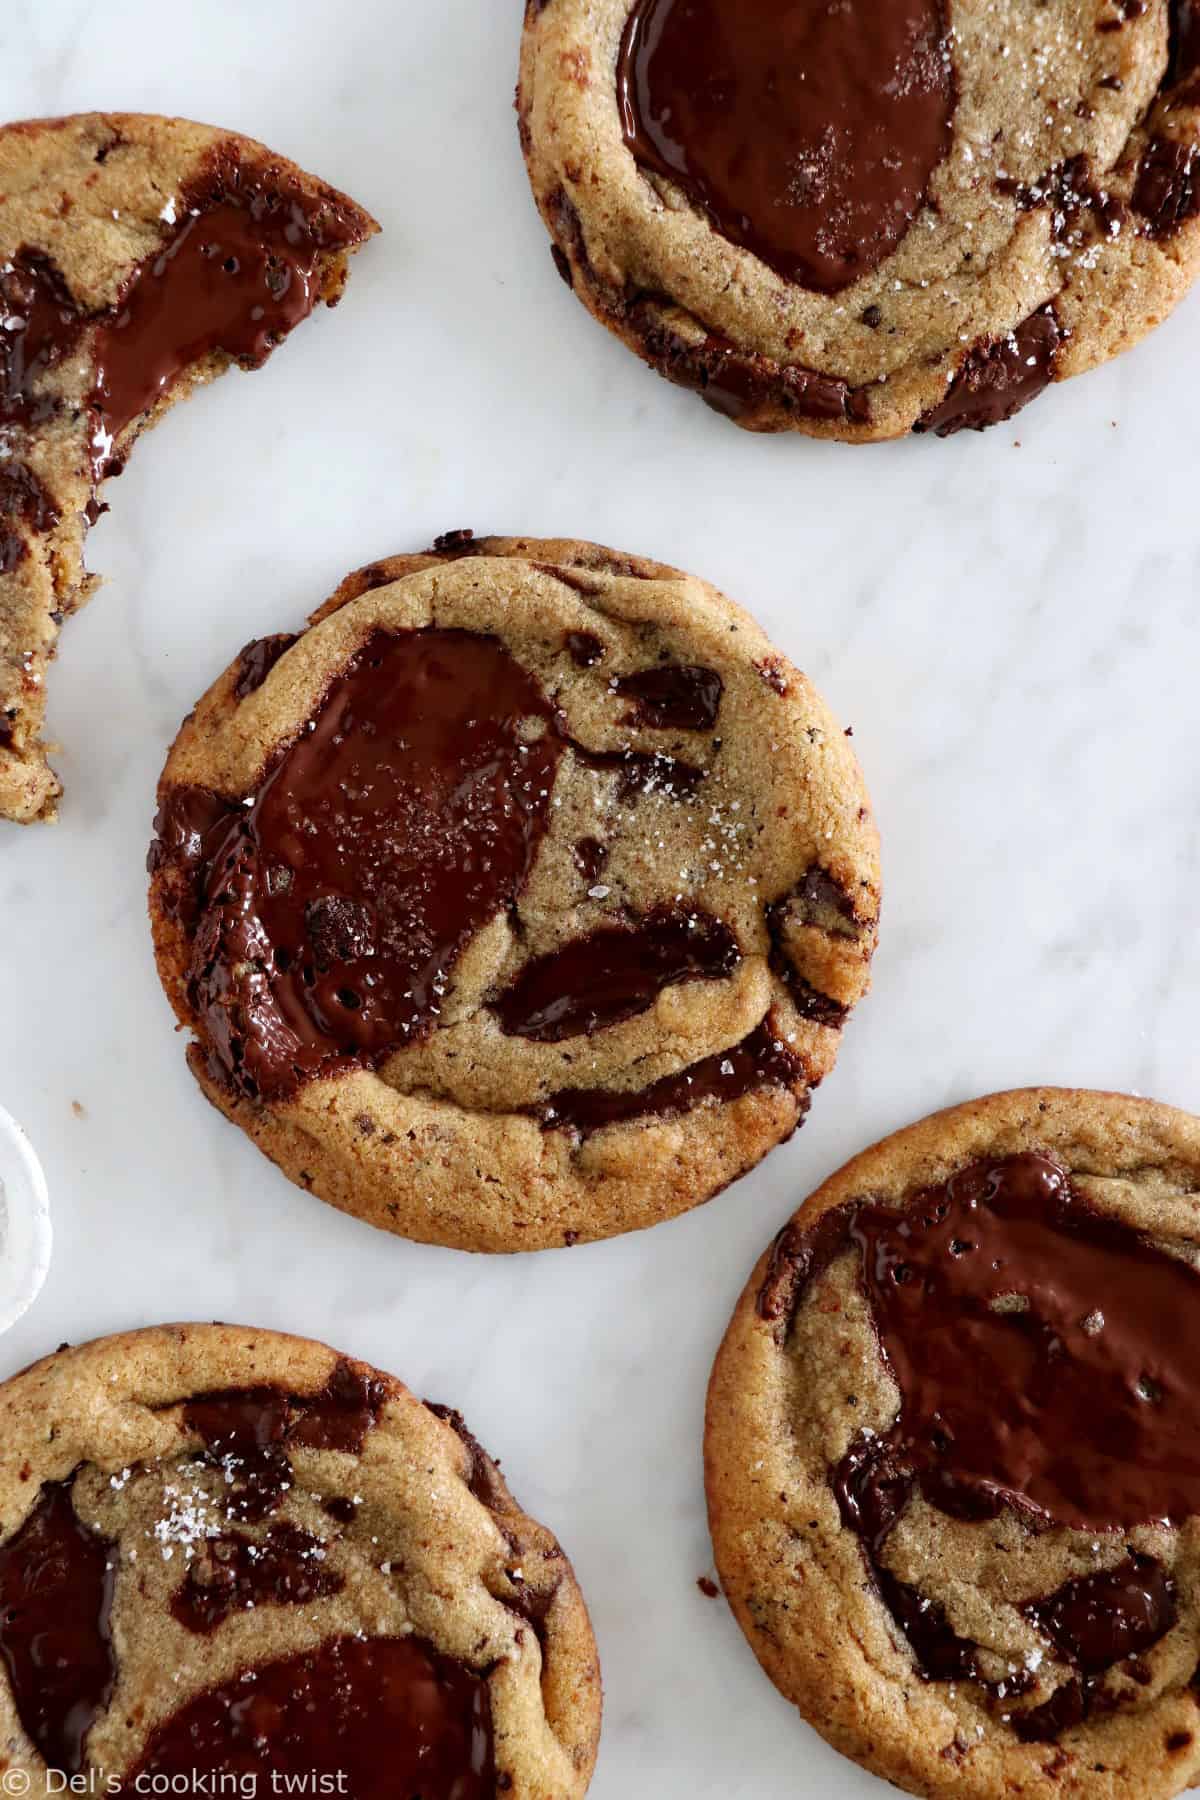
{"points": [[1008, 622]]}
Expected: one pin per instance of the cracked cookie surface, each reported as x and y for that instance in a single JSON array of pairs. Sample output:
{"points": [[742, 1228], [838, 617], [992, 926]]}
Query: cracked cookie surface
{"points": [[829, 227], [231, 1553], [520, 899], [139, 257], [953, 1451]]}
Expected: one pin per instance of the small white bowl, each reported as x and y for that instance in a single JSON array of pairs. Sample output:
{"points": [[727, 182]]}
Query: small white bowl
{"points": [[26, 1237]]}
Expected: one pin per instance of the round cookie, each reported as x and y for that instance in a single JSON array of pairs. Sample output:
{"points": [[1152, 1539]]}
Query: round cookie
{"points": [[139, 257], [520, 899], [230, 1553], [953, 1452], [829, 221]]}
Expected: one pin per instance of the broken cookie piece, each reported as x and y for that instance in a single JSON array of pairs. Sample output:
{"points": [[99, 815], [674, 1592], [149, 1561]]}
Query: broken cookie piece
{"points": [[139, 257]]}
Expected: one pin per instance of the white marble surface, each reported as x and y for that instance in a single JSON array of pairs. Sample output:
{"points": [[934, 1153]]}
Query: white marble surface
{"points": [[1011, 627]]}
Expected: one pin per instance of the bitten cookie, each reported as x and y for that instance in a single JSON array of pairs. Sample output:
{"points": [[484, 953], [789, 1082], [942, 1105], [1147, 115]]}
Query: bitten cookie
{"points": [[519, 900], [953, 1452], [856, 222], [229, 1553], [139, 257]]}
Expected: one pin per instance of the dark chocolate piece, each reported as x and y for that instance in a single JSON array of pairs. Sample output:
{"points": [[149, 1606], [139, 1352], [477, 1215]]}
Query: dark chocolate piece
{"points": [[643, 772], [1185, 41], [586, 650], [56, 1590], [243, 1430], [672, 697], [998, 378], [738, 383], [1098, 1620], [257, 659], [39, 328], [1167, 191], [22, 497], [614, 973], [383, 1718], [339, 1507], [483, 1475], [233, 1573], [249, 1431], [807, 133], [339, 1415], [590, 857], [761, 1060]]}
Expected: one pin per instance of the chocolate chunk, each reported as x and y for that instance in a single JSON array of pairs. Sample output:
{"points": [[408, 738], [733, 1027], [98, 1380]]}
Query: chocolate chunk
{"points": [[339, 1507], [243, 1430], [257, 660], [1097, 1620], [643, 772], [998, 378], [56, 1591], [761, 1060], [799, 1256], [590, 856], [1167, 191], [23, 497], [672, 697], [233, 1573], [13, 551], [339, 1415], [375, 1717], [483, 1475], [585, 648], [338, 929], [614, 973], [822, 1009], [808, 134], [738, 384], [39, 328], [1185, 40]]}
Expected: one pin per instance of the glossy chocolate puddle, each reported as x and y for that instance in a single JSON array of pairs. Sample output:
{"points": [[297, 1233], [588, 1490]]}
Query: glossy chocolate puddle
{"points": [[807, 133], [1045, 1356]]}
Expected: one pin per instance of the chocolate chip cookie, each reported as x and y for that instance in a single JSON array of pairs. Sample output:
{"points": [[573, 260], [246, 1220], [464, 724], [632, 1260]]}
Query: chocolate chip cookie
{"points": [[520, 899], [953, 1452], [228, 1553], [139, 257], [857, 223]]}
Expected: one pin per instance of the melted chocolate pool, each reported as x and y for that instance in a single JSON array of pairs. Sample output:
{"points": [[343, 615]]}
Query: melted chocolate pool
{"points": [[239, 274], [337, 903], [807, 132], [1046, 1359], [390, 1716], [56, 1591]]}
